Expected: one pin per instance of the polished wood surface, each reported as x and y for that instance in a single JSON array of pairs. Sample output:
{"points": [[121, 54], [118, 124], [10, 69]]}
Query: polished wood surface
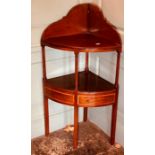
{"points": [[43, 63], [83, 29], [76, 114], [115, 105], [89, 82], [46, 113], [91, 90], [85, 110]]}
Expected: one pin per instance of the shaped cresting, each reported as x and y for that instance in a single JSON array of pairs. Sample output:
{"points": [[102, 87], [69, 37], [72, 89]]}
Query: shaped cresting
{"points": [[83, 29], [84, 26]]}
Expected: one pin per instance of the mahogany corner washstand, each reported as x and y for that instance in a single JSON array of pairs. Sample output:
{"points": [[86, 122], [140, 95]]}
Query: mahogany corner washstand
{"points": [[83, 29]]}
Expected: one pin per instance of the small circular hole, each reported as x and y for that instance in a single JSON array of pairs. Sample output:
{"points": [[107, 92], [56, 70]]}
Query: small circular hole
{"points": [[98, 43]]}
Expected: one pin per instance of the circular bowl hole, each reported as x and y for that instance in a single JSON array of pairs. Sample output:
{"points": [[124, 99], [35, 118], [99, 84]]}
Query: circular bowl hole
{"points": [[98, 43]]}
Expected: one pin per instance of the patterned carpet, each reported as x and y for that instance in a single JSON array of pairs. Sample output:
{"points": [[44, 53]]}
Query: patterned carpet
{"points": [[92, 141]]}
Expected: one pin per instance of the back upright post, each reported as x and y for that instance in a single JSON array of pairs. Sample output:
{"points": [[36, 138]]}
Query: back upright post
{"points": [[75, 103], [85, 110], [114, 106]]}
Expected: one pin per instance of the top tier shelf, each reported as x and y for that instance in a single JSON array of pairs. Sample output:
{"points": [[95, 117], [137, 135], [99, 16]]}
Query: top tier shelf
{"points": [[83, 29]]}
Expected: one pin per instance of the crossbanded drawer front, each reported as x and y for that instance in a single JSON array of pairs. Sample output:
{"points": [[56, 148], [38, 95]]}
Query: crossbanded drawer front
{"points": [[59, 96], [96, 100]]}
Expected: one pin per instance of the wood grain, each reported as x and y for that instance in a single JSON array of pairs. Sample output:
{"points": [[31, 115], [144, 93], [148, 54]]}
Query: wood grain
{"points": [[83, 29]]}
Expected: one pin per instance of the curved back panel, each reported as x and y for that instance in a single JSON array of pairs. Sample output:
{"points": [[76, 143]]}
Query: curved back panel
{"points": [[83, 19]]}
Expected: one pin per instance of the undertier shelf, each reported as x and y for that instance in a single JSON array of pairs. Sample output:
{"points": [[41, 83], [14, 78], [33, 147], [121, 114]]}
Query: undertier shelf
{"points": [[92, 90]]}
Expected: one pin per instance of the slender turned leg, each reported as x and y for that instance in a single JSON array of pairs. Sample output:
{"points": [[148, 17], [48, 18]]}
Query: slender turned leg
{"points": [[113, 120], [46, 116], [75, 127], [85, 112], [113, 125], [76, 104]]}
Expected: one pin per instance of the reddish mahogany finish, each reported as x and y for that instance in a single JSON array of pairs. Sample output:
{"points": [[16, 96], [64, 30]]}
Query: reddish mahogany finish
{"points": [[76, 100], [85, 110], [83, 29], [92, 90]]}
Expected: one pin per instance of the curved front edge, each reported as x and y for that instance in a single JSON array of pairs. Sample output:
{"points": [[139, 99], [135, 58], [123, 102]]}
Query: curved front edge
{"points": [[96, 99], [60, 96], [83, 99]]}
